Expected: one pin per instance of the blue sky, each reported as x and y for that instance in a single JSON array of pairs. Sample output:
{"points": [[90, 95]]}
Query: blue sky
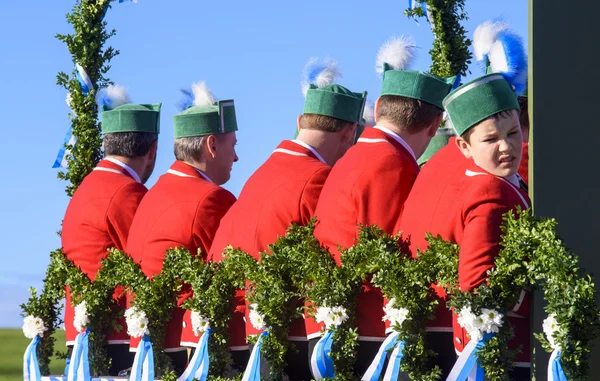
{"points": [[252, 52]]}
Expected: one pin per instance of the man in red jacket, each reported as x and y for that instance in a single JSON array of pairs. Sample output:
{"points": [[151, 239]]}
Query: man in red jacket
{"points": [[101, 211], [462, 193], [185, 206], [285, 190], [370, 183]]}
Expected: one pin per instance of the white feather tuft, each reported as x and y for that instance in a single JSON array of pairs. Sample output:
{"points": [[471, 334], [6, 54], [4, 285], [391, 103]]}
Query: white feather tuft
{"points": [[369, 114], [485, 35], [117, 96], [397, 52], [319, 73], [202, 94], [497, 57]]}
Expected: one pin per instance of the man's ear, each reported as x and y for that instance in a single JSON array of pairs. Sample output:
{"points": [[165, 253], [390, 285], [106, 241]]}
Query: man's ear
{"points": [[350, 132], [435, 125], [153, 150], [298, 123], [376, 110], [211, 145], [463, 146]]}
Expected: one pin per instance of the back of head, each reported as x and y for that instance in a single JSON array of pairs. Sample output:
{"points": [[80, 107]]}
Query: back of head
{"points": [[129, 144], [322, 123], [409, 114]]}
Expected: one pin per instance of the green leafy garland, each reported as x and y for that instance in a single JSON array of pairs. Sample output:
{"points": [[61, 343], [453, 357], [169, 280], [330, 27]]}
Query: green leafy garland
{"points": [[46, 307], [339, 286], [86, 45], [407, 282], [450, 54]]}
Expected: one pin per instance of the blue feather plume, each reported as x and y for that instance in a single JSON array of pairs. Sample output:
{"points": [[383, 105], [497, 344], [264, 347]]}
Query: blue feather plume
{"points": [[508, 57], [187, 101], [319, 73]]}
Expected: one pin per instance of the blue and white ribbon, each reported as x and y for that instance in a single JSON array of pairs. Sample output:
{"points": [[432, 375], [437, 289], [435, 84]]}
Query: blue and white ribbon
{"points": [[31, 367], [143, 363], [84, 80], [79, 368], [252, 372], [197, 369], [376, 367], [555, 370], [393, 369], [321, 364], [414, 4], [63, 152], [467, 367]]}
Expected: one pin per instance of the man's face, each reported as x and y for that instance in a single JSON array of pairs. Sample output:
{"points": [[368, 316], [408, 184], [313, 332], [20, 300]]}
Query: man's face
{"points": [[224, 158], [495, 144]]}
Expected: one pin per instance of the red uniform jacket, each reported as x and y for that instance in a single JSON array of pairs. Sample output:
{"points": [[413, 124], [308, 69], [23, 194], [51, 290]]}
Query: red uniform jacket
{"points": [[524, 166], [368, 186], [462, 203], [284, 190], [98, 218], [183, 209]]}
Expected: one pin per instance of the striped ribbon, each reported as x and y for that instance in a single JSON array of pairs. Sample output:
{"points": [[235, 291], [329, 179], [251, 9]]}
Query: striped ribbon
{"points": [[143, 363], [79, 368], [321, 363], [31, 367], [376, 367], [467, 367], [555, 369], [393, 370], [252, 372], [197, 369]]}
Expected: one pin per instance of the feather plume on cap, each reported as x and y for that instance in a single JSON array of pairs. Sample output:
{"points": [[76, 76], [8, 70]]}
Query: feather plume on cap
{"points": [[504, 51], [398, 53], [319, 72], [198, 95], [114, 96], [369, 113]]}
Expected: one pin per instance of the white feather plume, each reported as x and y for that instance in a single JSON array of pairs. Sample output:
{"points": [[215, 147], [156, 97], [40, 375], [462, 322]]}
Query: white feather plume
{"points": [[117, 96], [485, 36], [397, 52], [369, 113], [319, 73], [202, 94]]}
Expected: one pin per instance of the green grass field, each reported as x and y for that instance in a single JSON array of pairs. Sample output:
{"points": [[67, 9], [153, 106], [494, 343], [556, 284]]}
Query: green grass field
{"points": [[12, 348]]}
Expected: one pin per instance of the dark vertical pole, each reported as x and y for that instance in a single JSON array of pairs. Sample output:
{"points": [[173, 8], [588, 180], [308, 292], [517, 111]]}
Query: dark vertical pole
{"points": [[565, 149]]}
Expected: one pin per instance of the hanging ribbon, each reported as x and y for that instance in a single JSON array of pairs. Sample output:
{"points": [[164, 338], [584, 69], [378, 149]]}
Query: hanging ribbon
{"points": [[143, 363], [466, 367], [197, 369], [555, 370], [31, 367], [393, 369], [252, 372], [61, 158], [414, 4], [321, 363], [376, 367], [79, 367]]}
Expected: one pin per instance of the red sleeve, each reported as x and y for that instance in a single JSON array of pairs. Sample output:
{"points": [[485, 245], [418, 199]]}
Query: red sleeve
{"points": [[208, 216], [379, 194], [311, 193], [121, 210], [485, 204]]}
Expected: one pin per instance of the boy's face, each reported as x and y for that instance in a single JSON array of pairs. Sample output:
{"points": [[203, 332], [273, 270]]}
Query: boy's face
{"points": [[495, 144]]}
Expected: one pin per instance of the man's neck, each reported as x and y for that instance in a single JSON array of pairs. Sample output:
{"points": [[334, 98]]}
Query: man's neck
{"points": [[199, 165], [323, 142], [134, 164], [414, 141]]}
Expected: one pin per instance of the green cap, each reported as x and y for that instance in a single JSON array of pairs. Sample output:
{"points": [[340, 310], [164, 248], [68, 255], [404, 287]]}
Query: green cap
{"points": [[206, 120], [335, 101], [479, 99], [439, 141], [416, 84], [131, 118]]}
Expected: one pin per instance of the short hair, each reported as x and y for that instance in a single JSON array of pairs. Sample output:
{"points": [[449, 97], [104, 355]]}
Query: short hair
{"points": [[128, 144], [322, 123], [524, 114], [410, 114], [188, 149], [496, 116]]}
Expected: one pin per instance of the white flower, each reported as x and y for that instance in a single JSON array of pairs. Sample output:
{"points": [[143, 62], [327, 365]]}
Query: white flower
{"points": [[551, 326], [199, 323], [33, 326], [137, 322], [257, 320], [81, 319], [331, 316], [396, 316], [489, 321]]}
